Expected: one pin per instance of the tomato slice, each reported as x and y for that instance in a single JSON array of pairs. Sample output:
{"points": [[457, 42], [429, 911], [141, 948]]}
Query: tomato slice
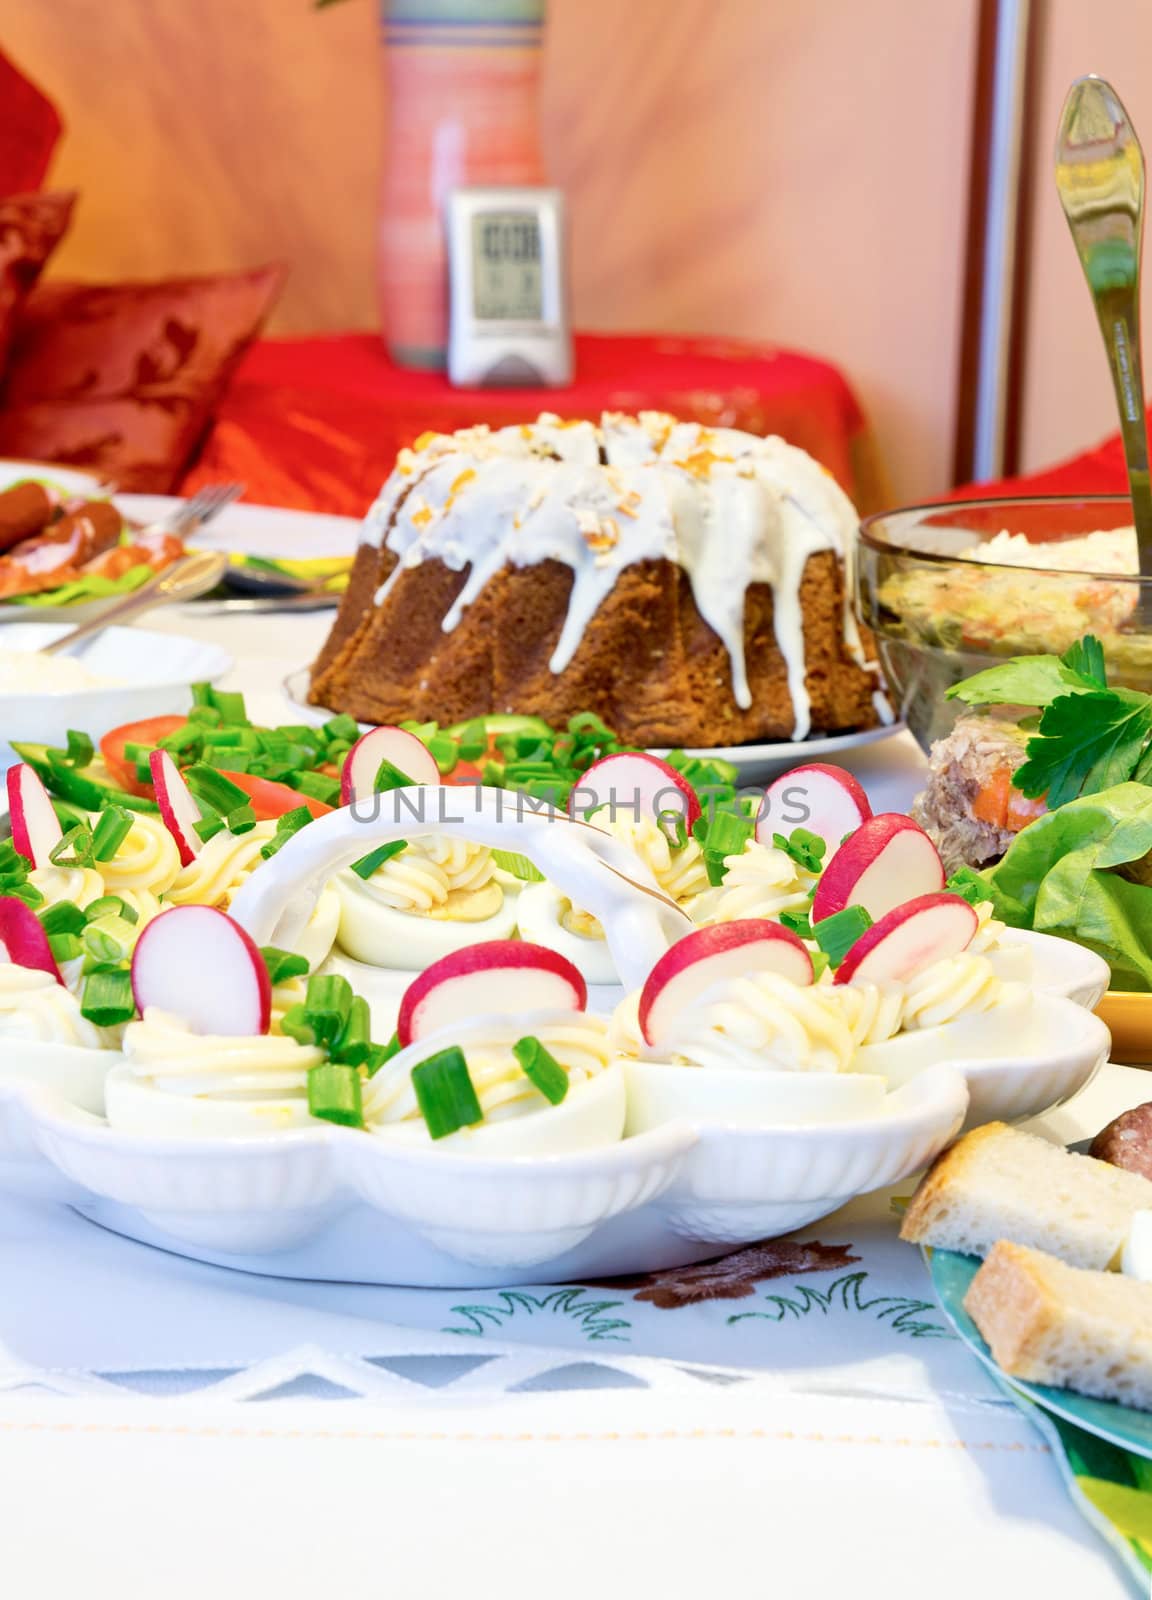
{"points": [[271, 800], [465, 774], [150, 731]]}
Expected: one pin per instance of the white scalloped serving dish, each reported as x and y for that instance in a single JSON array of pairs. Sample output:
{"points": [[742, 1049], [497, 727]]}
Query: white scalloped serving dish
{"points": [[336, 1203]]}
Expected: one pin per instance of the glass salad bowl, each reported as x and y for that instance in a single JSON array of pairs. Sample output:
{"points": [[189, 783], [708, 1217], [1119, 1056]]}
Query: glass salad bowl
{"points": [[950, 589]]}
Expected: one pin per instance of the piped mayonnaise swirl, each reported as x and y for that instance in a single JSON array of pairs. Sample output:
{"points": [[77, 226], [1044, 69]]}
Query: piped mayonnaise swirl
{"points": [[764, 1022], [451, 879], [82, 886], [147, 861], [762, 881], [577, 1040], [161, 1050], [34, 1008], [224, 864]]}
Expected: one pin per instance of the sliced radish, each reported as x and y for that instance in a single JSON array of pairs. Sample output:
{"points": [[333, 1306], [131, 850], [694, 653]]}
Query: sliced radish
{"points": [[23, 941], [36, 829], [404, 750], [711, 955], [636, 786], [200, 965], [835, 803], [496, 977], [910, 938], [888, 861], [178, 810]]}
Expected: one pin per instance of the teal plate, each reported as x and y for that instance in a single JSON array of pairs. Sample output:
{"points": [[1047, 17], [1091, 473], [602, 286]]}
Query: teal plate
{"points": [[1117, 1424]]}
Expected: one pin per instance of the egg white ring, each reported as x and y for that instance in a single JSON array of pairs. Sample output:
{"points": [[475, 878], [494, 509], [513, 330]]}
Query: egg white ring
{"points": [[73, 1071], [136, 1106], [538, 919], [405, 941], [663, 1091]]}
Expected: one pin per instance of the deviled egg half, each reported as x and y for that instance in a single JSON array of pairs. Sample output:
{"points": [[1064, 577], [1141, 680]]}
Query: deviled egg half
{"points": [[735, 1024]]}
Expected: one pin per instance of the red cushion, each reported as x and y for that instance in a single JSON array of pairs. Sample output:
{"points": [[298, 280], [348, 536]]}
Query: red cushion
{"points": [[123, 380], [31, 226], [29, 129]]}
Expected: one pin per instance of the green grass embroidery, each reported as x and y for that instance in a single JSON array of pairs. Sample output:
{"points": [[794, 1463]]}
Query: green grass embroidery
{"points": [[904, 1315], [589, 1314]]}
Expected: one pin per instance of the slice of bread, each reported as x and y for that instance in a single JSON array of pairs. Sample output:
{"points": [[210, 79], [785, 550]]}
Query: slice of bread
{"points": [[998, 1183], [1047, 1322]]}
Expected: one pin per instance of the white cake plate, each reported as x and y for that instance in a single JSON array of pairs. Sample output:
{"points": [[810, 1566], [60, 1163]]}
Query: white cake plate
{"points": [[756, 762]]}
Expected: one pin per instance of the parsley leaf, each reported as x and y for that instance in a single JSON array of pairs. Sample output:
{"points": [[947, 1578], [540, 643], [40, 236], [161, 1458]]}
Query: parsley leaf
{"points": [[1023, 681], [1086, 659], [1087, 741]]}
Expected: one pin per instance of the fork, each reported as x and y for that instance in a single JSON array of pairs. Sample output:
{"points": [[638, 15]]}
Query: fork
{"points": [[209, 502]]}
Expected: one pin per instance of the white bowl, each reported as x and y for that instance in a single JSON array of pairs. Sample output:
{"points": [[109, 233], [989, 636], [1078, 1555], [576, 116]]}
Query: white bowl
{"points": [[154, 672]]}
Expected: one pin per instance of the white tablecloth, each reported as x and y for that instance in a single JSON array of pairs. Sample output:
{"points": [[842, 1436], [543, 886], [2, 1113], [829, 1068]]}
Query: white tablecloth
{"points": [[805, 1425]]}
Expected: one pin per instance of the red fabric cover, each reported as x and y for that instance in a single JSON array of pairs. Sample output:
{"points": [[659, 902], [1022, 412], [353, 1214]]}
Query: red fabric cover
{"points": [[1097, 471], [29, 129], [123, 380], [31, 226], [316, 423]]}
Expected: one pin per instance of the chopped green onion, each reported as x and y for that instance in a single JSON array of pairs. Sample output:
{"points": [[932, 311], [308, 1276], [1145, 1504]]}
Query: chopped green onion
{"points": [[798, 922], [473, 739], [109, 939], [493, 774], [517, 865], [110, 905], [837, 934], [334, 1094], [380, 1053], [342, 727], [242, 820], [820, 964], [12, 863], [188, 738], [65, 947], [112, 828], [327, 1004], [375, 859], [282, 964], [355, 1043], [230, 707], [74, 849], [27, 892], [229, 760], [389, 777], [673, 826], [205, 716], [107, 998], [63, 918], [725, 834], [316, 786], [444, 751], [541, 1068], [295, 1024], [287, 825], [806, 849], [208, 827], [445, 1093], [214, 789], [80, 749]]}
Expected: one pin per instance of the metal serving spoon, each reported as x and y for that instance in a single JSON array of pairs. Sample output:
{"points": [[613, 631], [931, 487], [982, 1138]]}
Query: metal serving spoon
{"points": [[1100, 180], [185, 579]]}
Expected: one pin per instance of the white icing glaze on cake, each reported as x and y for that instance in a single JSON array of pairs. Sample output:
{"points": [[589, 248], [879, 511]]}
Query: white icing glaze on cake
{"points": [[730, 508]]}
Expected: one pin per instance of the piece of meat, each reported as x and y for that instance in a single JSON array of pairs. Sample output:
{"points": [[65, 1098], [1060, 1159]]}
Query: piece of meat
{"points": [[970, 807], [54, 556], [25, 509], [1127, 1142], [156, 551]]}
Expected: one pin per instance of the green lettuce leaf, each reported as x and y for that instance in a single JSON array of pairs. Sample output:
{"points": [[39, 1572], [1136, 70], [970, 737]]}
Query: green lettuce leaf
{"points": [[1057, 878]]}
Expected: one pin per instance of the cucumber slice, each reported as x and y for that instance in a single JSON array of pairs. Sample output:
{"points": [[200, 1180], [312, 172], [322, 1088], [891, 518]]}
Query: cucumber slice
{"points": [[79, 786], [504, 722]]}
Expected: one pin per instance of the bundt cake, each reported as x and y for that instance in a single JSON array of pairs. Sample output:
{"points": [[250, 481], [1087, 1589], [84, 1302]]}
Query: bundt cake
{"points": [[685, 583]]}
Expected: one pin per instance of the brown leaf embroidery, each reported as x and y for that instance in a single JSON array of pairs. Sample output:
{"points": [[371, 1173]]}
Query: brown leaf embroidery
{"points": [[733, 1277]]}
